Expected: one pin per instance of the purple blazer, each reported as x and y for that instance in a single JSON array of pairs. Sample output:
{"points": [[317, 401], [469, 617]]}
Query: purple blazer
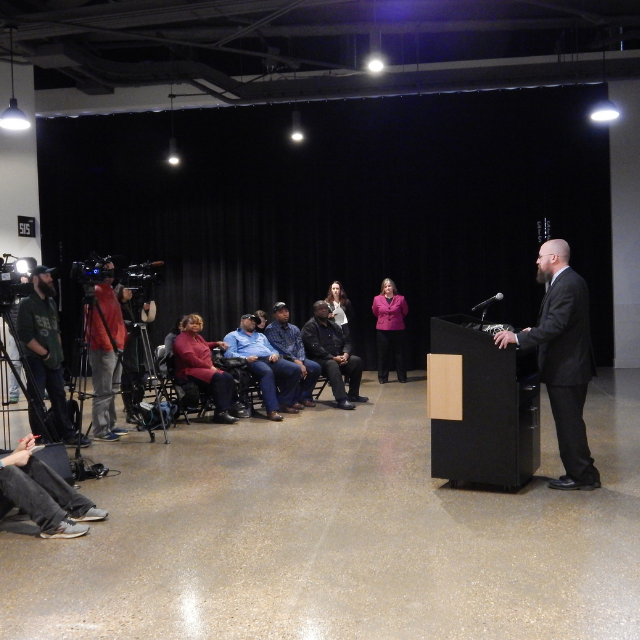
{"points": [[390, 316]]}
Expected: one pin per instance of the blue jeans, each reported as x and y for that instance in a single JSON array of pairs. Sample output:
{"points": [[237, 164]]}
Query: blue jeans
{"points": [[283, 373], [308, 384], [38, 490], [53, 381]]}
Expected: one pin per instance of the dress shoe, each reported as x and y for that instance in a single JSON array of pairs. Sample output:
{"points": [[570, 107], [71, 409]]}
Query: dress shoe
{"points": [[285, 409], [297, 405], [357, 399], [345, 404], [224, 418], [569, 484], [239, 411], [275, 416], [382, 381], [402, 381], [308, 403]]}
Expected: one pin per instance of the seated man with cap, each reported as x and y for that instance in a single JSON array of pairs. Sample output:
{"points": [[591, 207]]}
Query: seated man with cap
{"points": [[266, 365], [287, 339], [325, 343]]}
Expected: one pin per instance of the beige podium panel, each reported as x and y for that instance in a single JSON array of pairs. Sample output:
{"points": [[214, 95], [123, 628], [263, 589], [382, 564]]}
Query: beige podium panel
{"points": [[444, 386]]}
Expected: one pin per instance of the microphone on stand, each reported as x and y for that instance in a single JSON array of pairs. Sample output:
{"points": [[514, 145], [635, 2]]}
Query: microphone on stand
{"points": [[487, 303]]}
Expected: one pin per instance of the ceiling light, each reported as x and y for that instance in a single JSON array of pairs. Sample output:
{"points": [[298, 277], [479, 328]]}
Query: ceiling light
{"points": [[12, 118], [173, 158], [604, 111], [297, 135]]}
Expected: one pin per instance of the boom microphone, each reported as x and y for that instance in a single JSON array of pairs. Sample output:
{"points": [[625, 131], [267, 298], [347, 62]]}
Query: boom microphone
{"points": [[486, 303]]}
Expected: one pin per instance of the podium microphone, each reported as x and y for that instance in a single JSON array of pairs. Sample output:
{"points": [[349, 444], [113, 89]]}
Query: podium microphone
{"points": [[487, 303]]}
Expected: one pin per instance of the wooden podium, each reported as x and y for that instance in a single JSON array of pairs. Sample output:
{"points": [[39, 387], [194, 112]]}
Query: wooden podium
{"points": [[484, 406]]}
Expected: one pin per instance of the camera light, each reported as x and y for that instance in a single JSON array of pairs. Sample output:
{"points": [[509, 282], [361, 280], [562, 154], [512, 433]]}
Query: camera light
{"points": [[25, 265]]}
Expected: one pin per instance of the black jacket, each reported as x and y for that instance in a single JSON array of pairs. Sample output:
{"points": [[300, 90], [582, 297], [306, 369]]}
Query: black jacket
{"points": [[563, 334], [322, 343]]}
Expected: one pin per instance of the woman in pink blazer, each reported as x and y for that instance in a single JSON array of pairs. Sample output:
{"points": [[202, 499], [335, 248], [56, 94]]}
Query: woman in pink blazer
{"points": [[390, 308]]}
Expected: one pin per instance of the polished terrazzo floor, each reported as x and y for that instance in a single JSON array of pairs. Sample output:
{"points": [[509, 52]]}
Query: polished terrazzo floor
{"points": [[329, 526]]}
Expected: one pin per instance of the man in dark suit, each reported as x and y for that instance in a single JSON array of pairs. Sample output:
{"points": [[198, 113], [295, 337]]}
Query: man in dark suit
{"points": [[565, 360]]}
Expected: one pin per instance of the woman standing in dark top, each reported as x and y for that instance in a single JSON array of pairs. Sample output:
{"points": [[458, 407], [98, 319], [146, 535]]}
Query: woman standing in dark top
{"points": [[340, 307], [390, 308]]}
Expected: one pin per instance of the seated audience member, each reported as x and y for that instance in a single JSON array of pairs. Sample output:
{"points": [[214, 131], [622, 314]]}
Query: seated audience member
{"points": [[266, 365], [34, 487], [325, 343], [171, 337], [193, 363], [262, 320], [286, 338]]}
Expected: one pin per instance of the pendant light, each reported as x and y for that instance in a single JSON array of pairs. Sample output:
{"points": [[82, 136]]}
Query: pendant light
{"points": [[12, 118]]}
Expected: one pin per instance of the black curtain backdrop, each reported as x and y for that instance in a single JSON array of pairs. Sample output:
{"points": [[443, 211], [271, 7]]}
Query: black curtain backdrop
{"points": [[440, 193]]}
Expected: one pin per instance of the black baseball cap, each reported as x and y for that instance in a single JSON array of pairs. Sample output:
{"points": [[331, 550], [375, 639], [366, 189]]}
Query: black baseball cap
{"points": [[40, 269], [280, 305], [251, 316]]}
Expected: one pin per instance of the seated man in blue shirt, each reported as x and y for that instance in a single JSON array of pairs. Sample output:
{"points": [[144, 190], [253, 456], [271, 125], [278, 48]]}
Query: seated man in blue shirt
{"points": [[286, 338], [265, 364]]}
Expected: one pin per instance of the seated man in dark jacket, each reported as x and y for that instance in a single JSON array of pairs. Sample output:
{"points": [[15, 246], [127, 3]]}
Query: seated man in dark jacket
{"points": [[325, 343]]}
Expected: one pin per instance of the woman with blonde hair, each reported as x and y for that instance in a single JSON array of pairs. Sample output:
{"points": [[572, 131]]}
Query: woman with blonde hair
{"points": [[390, 308]]}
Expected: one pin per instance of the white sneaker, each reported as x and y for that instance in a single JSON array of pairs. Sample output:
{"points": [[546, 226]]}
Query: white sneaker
{"points": [[67, 529]]}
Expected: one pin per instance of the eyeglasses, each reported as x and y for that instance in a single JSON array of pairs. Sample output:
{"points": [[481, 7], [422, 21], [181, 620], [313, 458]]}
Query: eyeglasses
{"points": [[546, 254]]}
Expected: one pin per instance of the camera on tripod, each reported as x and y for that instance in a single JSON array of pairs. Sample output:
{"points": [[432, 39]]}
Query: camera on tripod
{"points": [[11, 275], [93, 270]]}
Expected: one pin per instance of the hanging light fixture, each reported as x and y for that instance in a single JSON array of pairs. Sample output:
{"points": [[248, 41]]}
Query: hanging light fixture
{"points": [[12, 118], [174, 158], [376, 62], [297, 134], [605, 110]]}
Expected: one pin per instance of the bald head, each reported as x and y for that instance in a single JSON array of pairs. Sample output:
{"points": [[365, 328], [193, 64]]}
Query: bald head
{"points": [[559, 248], [553, 256]]}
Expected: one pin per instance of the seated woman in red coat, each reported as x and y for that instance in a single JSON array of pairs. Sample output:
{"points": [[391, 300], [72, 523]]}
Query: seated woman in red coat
{"points": [[193, 363]]}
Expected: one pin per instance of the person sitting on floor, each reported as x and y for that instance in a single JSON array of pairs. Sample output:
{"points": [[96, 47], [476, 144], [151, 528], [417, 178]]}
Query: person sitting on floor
{"points": [[264, 362], [193, 363], [286, 338], [34, 487], [325, 343]]}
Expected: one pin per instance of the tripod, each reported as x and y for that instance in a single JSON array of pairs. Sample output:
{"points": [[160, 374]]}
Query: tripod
{"points": [[37, 408], [90, 306]]}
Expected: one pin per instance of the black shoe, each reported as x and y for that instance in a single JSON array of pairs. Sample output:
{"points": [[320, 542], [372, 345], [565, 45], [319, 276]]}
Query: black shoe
{"points": [[404, 381], [239, 411], [224, 418], [357, 398], [134, 418], [382, 381], [345, 404], [72, 441], [569, 484]]}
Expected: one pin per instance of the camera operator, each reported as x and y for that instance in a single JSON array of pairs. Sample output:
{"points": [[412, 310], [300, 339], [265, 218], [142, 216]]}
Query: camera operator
{"points": [[132, 381], [38, 330], [104, 360]]}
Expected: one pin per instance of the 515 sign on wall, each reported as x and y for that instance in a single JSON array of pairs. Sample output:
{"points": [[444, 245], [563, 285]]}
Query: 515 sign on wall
{"points": [[26, 226]]}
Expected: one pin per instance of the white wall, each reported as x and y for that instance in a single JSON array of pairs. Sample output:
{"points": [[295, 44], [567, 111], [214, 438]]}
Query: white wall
{"points": [[625, 211], [18, 167]]}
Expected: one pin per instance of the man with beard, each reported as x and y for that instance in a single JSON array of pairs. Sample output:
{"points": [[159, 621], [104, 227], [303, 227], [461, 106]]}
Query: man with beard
{"points": [[266, 365], [565, 360], [38, 329]]}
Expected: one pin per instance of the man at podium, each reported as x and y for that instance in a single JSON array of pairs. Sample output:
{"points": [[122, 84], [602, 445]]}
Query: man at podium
{"points": [[565, 360]]}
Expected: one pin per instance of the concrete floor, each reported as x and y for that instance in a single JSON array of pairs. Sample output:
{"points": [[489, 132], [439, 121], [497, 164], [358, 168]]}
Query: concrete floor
{"points": [[328, 526]]}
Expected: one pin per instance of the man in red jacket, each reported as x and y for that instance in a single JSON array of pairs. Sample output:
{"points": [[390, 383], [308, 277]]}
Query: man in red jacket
{"points": [[103, 356]]}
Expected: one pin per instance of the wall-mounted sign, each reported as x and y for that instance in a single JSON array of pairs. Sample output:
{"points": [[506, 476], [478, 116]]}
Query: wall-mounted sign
{"points": [[26, 226]]}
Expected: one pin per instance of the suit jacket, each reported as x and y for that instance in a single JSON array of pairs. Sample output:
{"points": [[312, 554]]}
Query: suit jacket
{"points": [[563, 334], [390, 316]]}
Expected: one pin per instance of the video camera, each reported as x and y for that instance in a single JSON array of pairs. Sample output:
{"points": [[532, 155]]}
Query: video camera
{"points": [[139, 276], [93, 270], [11, 275]]}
